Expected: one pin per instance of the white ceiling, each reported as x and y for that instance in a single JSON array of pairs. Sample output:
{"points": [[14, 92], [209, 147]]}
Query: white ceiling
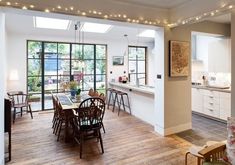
{"points": [[226, 18], [116, 33], [166, 4]]}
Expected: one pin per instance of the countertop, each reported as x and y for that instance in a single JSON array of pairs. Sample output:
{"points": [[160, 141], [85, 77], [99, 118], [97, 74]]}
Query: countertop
{"points": [[212, 89], [142, 89]]}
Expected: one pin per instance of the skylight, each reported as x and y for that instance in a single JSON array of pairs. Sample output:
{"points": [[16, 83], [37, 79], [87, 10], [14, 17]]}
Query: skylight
{"points": [[147, 33], [95, 27], [51, 23]]}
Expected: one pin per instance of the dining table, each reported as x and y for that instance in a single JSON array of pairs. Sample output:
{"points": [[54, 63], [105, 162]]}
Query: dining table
{"points": [[69, 104]]}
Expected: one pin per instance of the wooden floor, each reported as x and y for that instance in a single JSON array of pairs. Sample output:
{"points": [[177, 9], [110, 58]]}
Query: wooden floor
{"points": [[127, 140]]}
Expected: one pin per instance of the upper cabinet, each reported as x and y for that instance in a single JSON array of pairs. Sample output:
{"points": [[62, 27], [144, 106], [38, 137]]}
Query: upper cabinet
{"points": [[219, 56]]}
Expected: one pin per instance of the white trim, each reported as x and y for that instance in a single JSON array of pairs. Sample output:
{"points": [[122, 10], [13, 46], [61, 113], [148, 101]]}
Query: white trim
{"points": [[172, 130]]}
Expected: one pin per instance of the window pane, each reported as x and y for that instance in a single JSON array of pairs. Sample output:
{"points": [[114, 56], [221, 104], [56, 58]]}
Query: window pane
{"points": [[100, 83], [141, 66], [88, 82], [63, 83], [64, 51], [34, 49], [141, 78], [133, 78], [34, 67], [34, 84], [50, 55], [63, 67], [89, 52], [48, 101], [77, 65], [100, 66], [35, 101], [50, 66], [100, 51], [132, 66], [132, 53], [50, 83], [50, 48], [76, 51], [89, 67], [141, 53]]}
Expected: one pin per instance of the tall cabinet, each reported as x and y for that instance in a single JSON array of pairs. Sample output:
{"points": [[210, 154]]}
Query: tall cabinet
{"points": [[219, 56]]}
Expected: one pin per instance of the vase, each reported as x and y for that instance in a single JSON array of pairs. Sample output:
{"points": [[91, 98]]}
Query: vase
{"points": [[73, 92]]}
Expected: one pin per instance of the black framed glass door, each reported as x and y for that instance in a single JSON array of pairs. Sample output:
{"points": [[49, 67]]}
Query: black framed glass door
{"points": [[51, 64]]}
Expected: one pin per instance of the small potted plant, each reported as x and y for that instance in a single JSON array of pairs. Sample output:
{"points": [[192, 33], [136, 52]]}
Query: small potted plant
{"points": [[73, 87]]}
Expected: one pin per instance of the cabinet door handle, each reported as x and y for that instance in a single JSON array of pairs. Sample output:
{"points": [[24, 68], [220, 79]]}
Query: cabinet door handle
{"points": [[211, 103], [211, 96], [211, 110]]}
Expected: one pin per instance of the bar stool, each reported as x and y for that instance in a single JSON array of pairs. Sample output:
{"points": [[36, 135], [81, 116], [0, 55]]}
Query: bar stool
{"points": [[121, 102], [115, 93], [110, 96]]}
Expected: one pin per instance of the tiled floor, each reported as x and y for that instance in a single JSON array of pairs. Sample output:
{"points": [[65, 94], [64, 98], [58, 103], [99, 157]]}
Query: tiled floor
{"points": [[204, 130]]}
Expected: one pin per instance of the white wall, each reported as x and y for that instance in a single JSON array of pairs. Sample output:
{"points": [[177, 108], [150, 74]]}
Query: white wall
{"points": [[2, 83], [233, 63], [17, 51]]}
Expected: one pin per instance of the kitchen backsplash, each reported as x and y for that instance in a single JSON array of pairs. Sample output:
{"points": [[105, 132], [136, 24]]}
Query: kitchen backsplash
{"points": [[222, 79]]}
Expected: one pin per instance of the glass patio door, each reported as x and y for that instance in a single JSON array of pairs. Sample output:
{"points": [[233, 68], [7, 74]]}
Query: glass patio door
{"points": [[51, 64]]}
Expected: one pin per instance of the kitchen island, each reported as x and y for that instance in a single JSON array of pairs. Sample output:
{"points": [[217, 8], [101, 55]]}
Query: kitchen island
{"points": [[141, 100]]}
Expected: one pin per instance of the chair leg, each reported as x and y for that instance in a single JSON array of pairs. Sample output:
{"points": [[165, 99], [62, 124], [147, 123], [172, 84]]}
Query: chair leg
{"points": [[103, 127], [55, 126], [101, 142], [21, 111], [30, 110], [128, 102], [114, 101], [109, 99], [81, 143], [60, 126], [14, 115]]}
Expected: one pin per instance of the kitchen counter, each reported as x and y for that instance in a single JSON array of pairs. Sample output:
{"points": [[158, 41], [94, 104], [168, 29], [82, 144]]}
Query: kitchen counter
{"points": [[211, 88], [142, 88], [141, 100]]}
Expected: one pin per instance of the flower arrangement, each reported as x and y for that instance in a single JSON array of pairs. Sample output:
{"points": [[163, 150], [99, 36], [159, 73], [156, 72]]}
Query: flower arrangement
{"points": [[73, 85]]}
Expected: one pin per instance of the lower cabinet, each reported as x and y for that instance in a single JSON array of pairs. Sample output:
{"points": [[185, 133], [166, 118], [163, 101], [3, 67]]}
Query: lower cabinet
{"points": [[211, 103], [225, 105]]}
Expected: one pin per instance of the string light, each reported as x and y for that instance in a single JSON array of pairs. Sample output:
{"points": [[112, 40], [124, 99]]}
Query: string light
{"points": [[47, 10], [24, 8], [123, 17]]}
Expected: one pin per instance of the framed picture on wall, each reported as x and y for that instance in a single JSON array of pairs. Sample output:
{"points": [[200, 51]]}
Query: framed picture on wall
{"points": [[118, 60], [179, 58]]}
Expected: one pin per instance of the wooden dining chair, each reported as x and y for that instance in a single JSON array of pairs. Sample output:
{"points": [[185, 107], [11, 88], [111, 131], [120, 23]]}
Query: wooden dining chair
{"points": [[91, 92], [89, 121], [20, 101]]}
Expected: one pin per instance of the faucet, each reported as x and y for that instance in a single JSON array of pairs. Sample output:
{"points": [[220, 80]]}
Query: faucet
{"points": [[138, 81]]}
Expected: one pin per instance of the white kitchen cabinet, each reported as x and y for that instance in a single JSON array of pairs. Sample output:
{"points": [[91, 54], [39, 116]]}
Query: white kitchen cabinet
{"points": [[225, 105], [211, 103], [219, 56], [197, 100]]}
